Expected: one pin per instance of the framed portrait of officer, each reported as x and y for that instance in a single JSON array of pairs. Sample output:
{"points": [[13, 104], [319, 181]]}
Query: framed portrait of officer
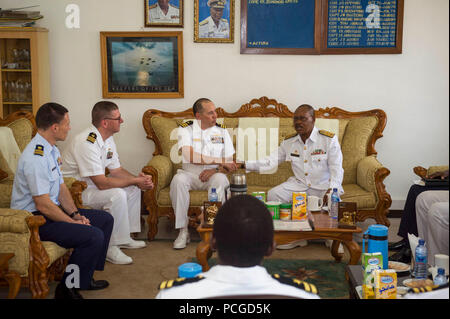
{"points": [[163, 13], [214, 21]]}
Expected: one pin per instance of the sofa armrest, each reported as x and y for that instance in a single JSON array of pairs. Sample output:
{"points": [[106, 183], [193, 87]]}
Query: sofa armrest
{"points": [[160, 168], [76, 187], [366, 171]]}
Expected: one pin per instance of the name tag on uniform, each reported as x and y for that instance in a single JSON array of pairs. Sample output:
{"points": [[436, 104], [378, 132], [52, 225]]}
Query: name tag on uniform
{"points": [[295, 154], [53, 168], [217, 139]]}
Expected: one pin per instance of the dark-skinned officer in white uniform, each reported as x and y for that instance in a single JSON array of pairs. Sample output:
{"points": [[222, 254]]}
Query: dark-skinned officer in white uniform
{"points": [[39, 188], [316, 160], [207, 154], [242, 235], [215, 26], [164, 12]]}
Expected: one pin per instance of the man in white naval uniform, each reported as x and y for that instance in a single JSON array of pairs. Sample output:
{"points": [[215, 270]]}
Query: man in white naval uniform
{"points": [[207, 153], [432, 209], [214, 26], [164, 12], [119, 193], [242, 235], [316, 160]]}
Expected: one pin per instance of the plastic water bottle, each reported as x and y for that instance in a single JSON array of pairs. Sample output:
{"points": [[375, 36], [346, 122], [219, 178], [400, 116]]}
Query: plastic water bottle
{"points": [[213, 197], [334, 204], [420, 262], [440, 278]]}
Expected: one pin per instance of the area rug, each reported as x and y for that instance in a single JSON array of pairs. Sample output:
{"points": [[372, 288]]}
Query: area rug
{"points": [[327, 276]]}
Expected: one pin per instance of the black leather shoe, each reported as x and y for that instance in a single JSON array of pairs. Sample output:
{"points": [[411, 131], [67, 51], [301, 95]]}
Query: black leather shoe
{"points": [[98, 284], [403, 256], [62, 292], [398, 245]]}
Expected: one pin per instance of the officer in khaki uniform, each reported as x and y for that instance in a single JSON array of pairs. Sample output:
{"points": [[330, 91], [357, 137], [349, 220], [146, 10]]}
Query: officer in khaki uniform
{"points": [[214, 26], [164, 12], [242, 235]]}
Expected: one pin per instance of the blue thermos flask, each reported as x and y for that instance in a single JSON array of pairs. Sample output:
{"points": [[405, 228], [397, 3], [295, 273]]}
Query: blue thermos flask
{"points": [[377, 236]]}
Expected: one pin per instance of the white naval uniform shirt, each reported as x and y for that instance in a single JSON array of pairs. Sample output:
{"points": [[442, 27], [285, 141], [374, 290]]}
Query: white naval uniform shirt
{"points": [[214, 141], [316, 164], [208, 29], [82, 158], [230, 281], [158, 16]]}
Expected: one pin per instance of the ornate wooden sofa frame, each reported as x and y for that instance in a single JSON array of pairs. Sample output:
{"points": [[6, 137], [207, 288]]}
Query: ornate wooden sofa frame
{"points": [[36, 262], [363, 174]]}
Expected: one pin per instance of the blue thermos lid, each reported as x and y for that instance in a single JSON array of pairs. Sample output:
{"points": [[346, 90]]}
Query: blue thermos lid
{"points": [[189, 270], [378, 230]]}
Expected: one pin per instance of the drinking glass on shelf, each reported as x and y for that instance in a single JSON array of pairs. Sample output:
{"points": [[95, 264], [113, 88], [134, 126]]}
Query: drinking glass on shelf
{"points": [[22, 93], [6, 91], [16, 58], [29, 95]]}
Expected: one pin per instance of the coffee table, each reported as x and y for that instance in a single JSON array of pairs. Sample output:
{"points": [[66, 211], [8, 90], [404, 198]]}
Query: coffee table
{"points": [[324, 228]]}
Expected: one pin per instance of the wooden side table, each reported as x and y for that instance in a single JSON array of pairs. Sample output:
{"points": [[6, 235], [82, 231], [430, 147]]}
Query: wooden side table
{"points": [[11, 277], [325, 228]]}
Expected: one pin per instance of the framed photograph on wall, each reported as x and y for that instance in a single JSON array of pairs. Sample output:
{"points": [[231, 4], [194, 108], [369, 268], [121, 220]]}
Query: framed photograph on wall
{"points": [[214, 21], [163, 13], [142, 65]]}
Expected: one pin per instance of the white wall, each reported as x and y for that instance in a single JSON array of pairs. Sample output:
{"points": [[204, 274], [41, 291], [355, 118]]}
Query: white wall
{"points": [[412, 88]]}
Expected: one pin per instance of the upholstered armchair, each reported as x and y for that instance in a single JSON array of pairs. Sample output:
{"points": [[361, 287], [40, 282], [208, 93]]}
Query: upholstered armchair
{"points": [[36, 262]]}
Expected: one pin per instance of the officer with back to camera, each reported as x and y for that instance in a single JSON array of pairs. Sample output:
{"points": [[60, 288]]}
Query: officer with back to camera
{"points": [[39, 188], [242, 235]]}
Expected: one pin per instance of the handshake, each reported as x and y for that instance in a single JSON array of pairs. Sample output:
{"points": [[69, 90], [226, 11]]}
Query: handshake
{"points": [[233, 166]]}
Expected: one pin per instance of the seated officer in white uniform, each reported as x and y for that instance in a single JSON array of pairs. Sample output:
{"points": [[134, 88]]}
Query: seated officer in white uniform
{"points": [[207, 153], [164, 12], [242, 235], [316, 160], [39, 188], [119, 193], [214, 26]]}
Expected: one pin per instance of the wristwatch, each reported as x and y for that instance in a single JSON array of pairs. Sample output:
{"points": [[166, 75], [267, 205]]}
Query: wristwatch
{"points": [[73, 214]]}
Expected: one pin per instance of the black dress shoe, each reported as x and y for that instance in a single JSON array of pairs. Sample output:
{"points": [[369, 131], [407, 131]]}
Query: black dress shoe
{"points": [[98, 284], [403, 256], [398, 245], [62, 292]]}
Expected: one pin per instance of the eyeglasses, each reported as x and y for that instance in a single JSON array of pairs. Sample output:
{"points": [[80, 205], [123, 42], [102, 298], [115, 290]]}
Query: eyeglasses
{"points": [[116, 119]]}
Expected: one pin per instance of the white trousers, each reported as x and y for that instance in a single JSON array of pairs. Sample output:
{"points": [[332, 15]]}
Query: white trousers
{"points": [[283, 192], [180, 186], [432, 209], [124, 204]]}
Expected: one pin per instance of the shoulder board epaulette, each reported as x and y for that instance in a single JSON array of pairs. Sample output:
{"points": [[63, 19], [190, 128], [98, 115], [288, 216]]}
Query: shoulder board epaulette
{"points": [[221, 125], [296, 283], [186, 124], [171, 5], [153, 6], [92, 137], [326, 133], [179, 282], [426, 289], [203, 22], [224, 20], [39, 150], [290, 136]]}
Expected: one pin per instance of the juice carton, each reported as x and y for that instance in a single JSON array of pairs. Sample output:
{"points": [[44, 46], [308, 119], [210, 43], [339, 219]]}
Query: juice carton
{"points": [[370, 262], [299, 206], [385, 284]]}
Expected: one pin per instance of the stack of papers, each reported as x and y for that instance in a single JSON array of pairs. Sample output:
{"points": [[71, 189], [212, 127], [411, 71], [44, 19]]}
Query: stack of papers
{"points": [[292, 225]]}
